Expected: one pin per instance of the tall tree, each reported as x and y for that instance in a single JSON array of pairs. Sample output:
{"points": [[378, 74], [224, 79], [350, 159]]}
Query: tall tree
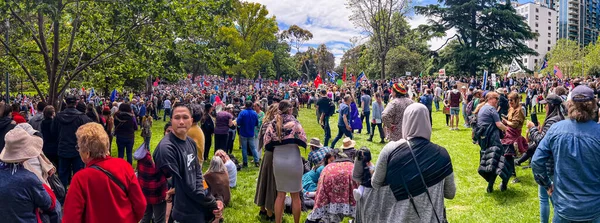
{"points": [[567, 55], [69, 37], [490, 33], [325, 60], [297, 36], [376, 17]]}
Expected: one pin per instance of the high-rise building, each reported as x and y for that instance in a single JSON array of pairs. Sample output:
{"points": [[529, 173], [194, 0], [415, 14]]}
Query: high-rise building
{"points": [[542, 20], [578, 20]]}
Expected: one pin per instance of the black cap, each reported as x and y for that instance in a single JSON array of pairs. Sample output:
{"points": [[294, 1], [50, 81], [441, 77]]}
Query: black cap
{"points": [[71, 99], [207, 107], [552, 99]]}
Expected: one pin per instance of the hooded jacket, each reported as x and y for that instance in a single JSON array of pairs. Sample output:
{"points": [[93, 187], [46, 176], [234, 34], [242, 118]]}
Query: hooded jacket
{"points": [[125, 125], [65, 125]]}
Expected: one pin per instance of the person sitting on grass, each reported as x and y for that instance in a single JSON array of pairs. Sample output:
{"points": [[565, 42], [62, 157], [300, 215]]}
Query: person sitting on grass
{"points": [[231, 167], [218, 180]]}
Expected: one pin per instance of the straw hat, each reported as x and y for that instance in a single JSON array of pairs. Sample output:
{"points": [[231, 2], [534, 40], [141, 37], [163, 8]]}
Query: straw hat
{"points": [[20, 146], [315, 142], [348, 143]]}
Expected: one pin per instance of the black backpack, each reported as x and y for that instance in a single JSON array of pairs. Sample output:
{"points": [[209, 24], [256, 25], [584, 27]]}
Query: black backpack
{"points": [[331, 109]]}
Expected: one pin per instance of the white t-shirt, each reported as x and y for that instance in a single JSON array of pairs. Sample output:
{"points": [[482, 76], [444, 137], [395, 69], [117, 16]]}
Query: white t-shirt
{"points": [[167, 103], [232, 172]]}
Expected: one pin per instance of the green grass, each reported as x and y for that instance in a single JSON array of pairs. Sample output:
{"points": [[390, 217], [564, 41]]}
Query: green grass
{"points": [[471, 204]]}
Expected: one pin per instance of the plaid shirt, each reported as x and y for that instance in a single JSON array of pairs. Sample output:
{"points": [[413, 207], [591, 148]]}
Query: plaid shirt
{"points": [[152, 181], [316, 156]]}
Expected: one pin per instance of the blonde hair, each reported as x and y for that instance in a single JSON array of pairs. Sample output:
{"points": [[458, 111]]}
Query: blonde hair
{"points": [[271, 112], [92, 138]]}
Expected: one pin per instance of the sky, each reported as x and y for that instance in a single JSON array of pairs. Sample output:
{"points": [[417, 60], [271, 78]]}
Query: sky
{"points": [[329, 22]]}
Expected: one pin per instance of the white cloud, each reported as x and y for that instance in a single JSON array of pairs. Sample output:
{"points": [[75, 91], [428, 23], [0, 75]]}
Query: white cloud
{"points": [[329, 22], [434, 43]]}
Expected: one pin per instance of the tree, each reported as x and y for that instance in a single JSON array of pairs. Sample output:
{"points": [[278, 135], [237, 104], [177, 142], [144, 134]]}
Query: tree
{"points": [[490, 33], [567, 55], [297, 37], [325, 60], [63, 39], [283, 62], [247, 38], [402, 60], [376, 17]]}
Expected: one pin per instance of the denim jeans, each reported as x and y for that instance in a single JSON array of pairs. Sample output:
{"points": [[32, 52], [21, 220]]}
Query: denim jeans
{"points": [[342, 131], [327, 130], [167, 112], [230, 141], [464, 113], [437, 105], [68, 167], [125, 144], [380, 127], [147, 142], [248, 142], [544, 204], [365, 116]]}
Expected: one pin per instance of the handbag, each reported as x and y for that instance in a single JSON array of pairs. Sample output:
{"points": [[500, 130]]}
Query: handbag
{"points": [[57, 187], [446, 110]]}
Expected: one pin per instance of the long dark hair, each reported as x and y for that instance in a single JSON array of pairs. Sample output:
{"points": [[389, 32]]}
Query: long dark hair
{"points": [[284, 107]]}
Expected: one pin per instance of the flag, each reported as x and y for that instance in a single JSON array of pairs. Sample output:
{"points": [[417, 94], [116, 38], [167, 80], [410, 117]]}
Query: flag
{"points": [[344, 74], [318, 81], [485, 73], [31, 109], [92, 93], [113, 95], [514, 68], [353, 78], [544, 65], [361, 76], [421, 74], [155, 84], [332, 75], [557, 72]]}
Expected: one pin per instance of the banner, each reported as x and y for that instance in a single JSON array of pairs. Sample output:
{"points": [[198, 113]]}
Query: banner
{"points": [[408, 73], [485, 74]]}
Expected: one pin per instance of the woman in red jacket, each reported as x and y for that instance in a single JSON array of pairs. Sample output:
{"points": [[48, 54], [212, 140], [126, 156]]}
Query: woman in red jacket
{"points": [[107, 190]]}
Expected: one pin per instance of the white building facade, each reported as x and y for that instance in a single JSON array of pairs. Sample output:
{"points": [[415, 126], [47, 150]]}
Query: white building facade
{"points": [[542, 21]]}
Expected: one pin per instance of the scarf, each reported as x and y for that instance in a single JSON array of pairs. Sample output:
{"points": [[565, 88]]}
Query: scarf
{"points": [[291, 133]]}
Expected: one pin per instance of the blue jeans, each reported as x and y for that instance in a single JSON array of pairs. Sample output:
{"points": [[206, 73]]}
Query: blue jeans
{"points": [[167, 112], [544, 204], [343, 131], [147, 142], [68, 167], [248, 142], [365, 117], [464, 113], [437, 105], [327, 130], [124, 143]]}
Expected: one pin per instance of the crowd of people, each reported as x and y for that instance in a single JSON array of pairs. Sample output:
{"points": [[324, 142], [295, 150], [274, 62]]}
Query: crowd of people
{"points": [[55, 160]]}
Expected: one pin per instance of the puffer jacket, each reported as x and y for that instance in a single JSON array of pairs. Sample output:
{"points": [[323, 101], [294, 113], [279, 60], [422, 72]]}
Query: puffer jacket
{"points": [[6, 124], [534, 135], [491, 160]]}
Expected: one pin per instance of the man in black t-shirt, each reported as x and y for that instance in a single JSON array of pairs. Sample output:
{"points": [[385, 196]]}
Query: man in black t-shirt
{"points": [[323, 114], [176, 157]]}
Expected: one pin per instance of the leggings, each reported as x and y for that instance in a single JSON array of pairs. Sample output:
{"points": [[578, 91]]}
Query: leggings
{"points": [[447, 119]]}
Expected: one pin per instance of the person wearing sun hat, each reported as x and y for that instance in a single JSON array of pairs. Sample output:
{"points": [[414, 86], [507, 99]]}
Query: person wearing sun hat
{"points": [[573, 144], [317, 152], [21, 186], [393, 112], [348, 147]]}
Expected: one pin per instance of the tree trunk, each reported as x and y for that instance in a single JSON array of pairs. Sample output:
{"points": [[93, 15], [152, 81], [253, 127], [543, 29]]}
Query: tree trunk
{"points": [[382, 59]]}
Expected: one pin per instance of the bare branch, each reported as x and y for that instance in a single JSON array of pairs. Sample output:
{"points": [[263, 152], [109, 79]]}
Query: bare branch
{"points": [[71, 41], [447, 40], [31, 78]]}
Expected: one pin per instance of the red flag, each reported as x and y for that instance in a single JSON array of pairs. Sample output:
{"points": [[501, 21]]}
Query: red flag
{"points": [[344, 74], [318, 81], [557, 72], [155, 84], [82, 89], [353, 78]]}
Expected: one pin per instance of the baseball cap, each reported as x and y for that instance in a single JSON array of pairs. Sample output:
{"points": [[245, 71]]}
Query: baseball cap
{"points": [[552, 99], [582, 93]]}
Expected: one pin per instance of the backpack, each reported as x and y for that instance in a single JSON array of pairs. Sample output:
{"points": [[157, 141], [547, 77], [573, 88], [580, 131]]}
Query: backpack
{"points": [[469, 108], [331, 109]]}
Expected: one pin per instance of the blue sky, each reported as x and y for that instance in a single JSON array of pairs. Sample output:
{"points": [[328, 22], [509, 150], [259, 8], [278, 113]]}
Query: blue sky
{"points": [[329, 22]]}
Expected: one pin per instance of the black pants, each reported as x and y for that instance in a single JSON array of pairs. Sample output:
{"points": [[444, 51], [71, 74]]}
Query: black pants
{"points": [[380, 127], [230, 141], [510, 164], [155, 213], [430, 118], [447, 119], [526, 156], [220, 142], [207, 144], [365, 116]]}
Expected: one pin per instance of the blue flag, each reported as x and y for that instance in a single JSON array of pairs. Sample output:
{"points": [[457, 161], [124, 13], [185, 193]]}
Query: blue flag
{"points": [[544, 65], [92, 93], [360, 77], [113, 95], [331, 76]]}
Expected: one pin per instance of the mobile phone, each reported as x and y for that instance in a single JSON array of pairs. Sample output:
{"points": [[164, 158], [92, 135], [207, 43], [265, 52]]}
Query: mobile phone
{"points": [[534, 119]]}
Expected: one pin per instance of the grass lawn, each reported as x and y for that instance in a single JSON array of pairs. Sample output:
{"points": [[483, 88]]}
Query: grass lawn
{"points": [[471, 204]]}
